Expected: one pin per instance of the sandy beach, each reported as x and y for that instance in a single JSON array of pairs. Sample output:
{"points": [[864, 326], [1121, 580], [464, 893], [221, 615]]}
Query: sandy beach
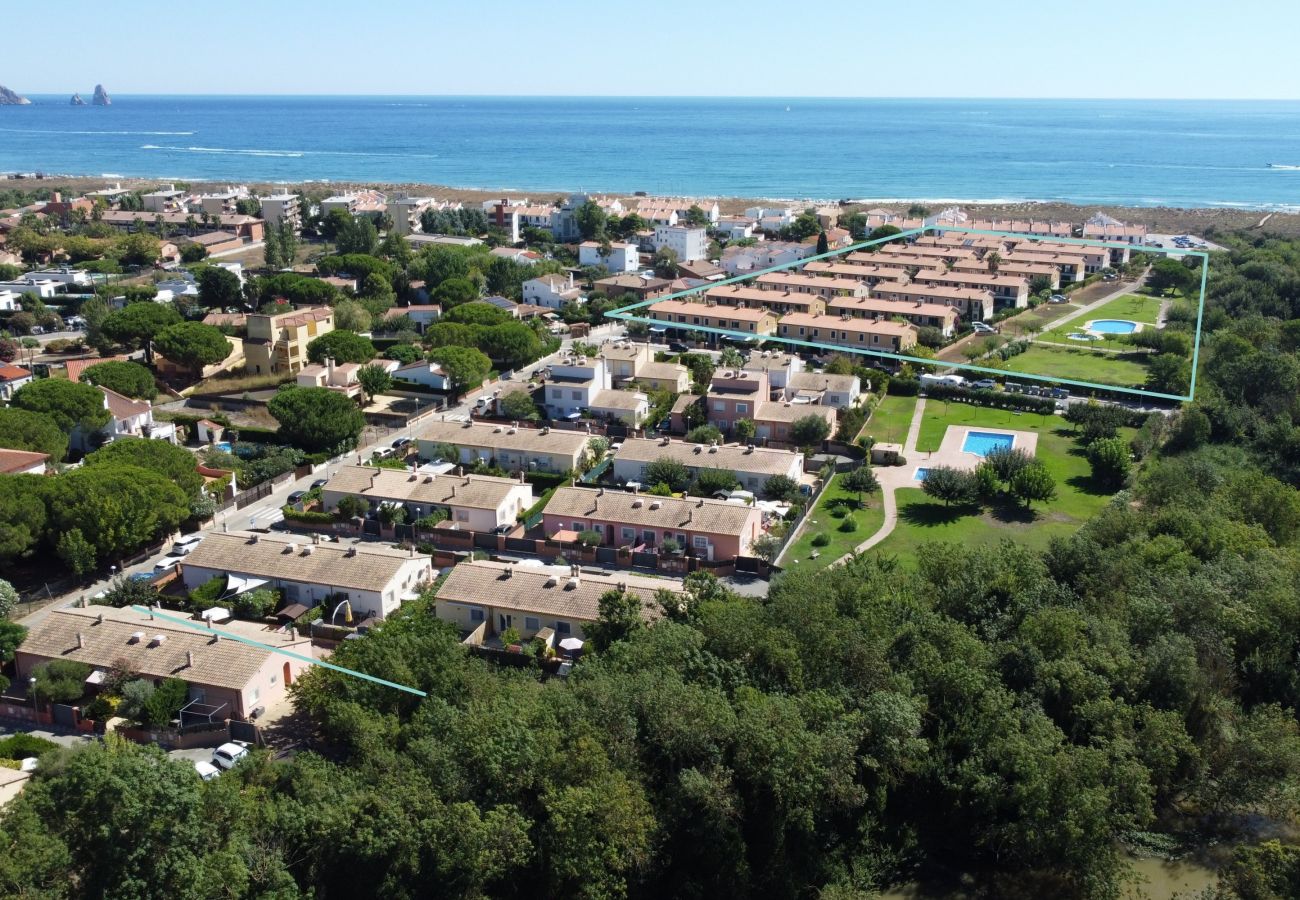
{"points": [[1167, 220]]}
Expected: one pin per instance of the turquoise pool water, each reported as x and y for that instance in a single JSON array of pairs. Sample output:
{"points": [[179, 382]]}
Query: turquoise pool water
{"points": [[1113, 326], [981, 442], [223, 446], [920, 474]]}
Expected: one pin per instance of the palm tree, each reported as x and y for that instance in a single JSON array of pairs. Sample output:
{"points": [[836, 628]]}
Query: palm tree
{"points": [[190, 224], [994, 259]]}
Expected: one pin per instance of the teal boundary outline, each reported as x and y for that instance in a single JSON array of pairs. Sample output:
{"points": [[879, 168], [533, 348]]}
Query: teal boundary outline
{"points": [[623, 312], [226, 635]]}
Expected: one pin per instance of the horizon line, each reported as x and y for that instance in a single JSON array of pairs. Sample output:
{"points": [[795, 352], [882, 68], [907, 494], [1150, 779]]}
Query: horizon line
{"points": [[481, 96]]}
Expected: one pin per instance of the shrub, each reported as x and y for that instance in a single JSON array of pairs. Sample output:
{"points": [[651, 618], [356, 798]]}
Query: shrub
{"points": [[821, 539], [165, 702], [60, 680], [21, 746], [135, 694], [590, 538], [849, 524]]}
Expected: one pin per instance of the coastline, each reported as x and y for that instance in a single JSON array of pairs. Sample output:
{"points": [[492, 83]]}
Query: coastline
{"points": [[1158, 219]]}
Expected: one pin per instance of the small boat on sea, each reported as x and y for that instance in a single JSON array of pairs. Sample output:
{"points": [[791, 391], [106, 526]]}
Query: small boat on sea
{"points": [[1281, 166]]}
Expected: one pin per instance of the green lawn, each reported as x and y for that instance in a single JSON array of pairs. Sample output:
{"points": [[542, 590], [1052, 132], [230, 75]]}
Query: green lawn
{"points": [[889, 422], [1134, 307], [821, 521], [1050, 361], [921, 519]]}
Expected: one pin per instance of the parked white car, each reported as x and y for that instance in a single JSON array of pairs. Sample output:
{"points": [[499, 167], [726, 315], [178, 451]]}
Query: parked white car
{"points": [[166, 564], [207, 771], [982, 328], [228, 755], [185, 544]]}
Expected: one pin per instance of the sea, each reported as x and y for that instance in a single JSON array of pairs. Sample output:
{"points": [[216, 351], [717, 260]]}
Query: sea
{"points": [[1117, 152]]}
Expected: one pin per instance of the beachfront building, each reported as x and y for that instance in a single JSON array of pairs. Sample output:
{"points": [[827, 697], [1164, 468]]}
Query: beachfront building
{"points": [[514, 449], [921, 314], [619, 258], [374, 578], [1013, 269], [688, 243], [278, 343], [227, 678], [712, 529], [249, 228], [222, 203], [473, 502], [163, 200], [751, 465], [684, 316], [843, 331], [1094, 258], [282, 209], [485, 599]]}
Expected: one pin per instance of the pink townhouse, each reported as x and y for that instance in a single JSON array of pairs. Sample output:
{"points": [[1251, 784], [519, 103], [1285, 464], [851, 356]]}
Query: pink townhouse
{"points": [[711, 529]]}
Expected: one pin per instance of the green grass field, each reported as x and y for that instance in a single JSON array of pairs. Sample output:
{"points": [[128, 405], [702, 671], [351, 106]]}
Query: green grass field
{"points": [[822, 522], [921, 519], [1077, 363], [1134, 307], [889, 422]]}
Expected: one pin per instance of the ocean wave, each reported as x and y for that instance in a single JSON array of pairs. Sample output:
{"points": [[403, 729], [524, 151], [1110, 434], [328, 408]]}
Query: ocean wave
{"points": [[293, 154], [49, 131]]}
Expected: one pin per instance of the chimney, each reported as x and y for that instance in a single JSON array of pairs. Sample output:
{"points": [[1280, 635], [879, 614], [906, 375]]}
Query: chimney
{"points": [[81, 641], [189, 659], [99, 619], [215, 639]]}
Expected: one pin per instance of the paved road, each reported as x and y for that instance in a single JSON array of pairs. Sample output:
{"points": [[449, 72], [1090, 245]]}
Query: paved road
{"points": [[266, 512]]}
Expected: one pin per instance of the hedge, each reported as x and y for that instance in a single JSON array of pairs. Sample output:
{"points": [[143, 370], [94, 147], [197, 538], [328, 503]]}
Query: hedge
{"points": [[995, 399], [309, 517]]}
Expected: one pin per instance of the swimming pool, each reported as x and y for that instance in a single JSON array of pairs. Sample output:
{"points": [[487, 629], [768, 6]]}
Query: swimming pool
{"points": [[223, 446], [981, 442], [920, 474], [1113, 326]]}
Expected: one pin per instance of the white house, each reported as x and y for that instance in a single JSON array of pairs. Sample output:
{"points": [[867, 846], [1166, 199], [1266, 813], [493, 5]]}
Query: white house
{"points": [[552, 291], [11, 379], [688, 243], [780, 367], [63, 275], [374, 579], [424, 372], [128, 418], [44, 288], [9, 301], [621, 258], [513, 449], [517, 255], [472, 502], [839, 391]]}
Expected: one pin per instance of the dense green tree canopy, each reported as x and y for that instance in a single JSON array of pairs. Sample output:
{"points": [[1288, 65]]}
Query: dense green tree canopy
{"points": [[219, 288], [127, 378], [27, 430], [118, 508], [317, 419], [136, 326], [68, 404], [193, 345], [342, 347], [176, 464], [465, 366]]}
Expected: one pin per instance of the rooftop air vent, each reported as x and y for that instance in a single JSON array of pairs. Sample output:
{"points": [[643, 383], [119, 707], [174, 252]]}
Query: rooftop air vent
{"points": [[552, 581], [158, 640], [136, 637], [655, 504]]}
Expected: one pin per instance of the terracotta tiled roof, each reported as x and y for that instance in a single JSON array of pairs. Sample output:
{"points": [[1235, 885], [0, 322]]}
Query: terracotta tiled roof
{"points": [[13, 373], [370, 568], [545, 591], [226, 663], [398, 485], [702, 515], [124, 407], [761, 460], [19, 460]]}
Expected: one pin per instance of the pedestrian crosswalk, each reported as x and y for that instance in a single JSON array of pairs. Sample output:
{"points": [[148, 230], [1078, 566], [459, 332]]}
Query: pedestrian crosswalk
{"points": [[265, 518]]}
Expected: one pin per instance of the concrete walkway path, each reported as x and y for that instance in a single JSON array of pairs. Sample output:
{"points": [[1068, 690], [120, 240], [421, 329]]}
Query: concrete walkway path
{"points": [[891, 478]]}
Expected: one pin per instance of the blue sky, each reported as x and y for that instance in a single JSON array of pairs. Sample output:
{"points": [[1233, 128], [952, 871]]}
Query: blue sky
{"points": [[881, 48]]}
